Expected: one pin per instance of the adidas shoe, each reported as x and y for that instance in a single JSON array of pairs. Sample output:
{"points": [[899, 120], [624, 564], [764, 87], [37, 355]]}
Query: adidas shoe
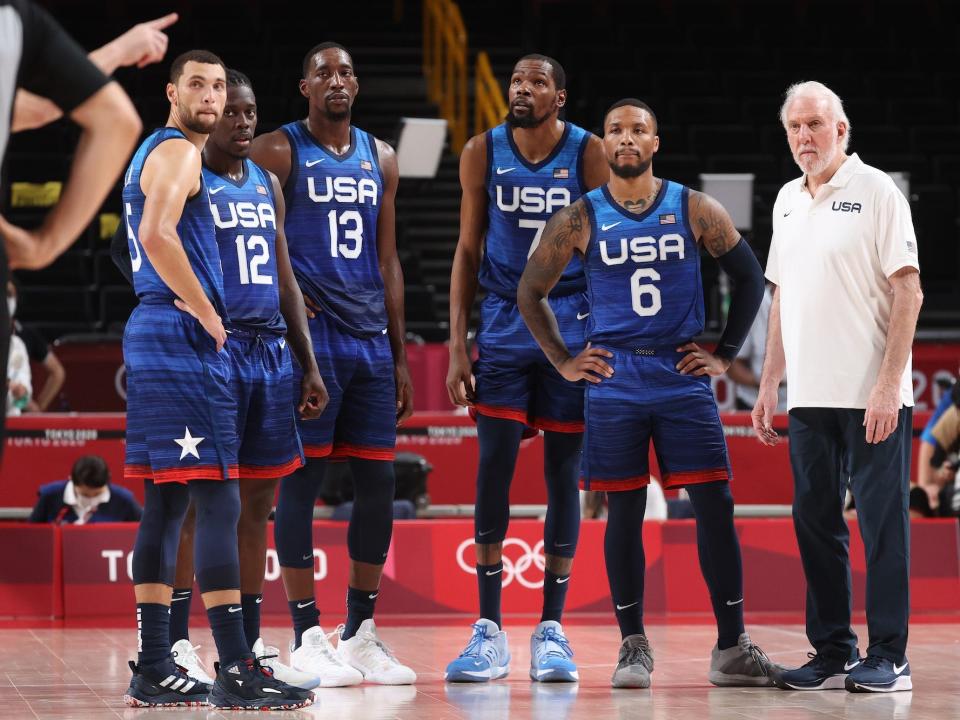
{"points": [[877, 674], [486, 656], [185, 655], [820, 673], [164, 684], [269, 657], [367, 653], [743, 665], [247, 685], [317, 657], [634, 664], [550, 655]]}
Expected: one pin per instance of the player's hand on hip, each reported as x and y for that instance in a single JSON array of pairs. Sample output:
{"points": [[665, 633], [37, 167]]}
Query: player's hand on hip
{"points": [[144, 43], [210, 321], [762, 416], [698, 361], [883, 408], [401, 375], [311, 307], [313, 395], [461, 388], [588, 364]]}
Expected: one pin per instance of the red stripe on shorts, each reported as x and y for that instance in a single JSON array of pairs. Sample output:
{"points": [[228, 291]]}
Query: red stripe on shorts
{"points": [[630, 483], [269, 472], [694, 477], [504, 413], [317, 451], [344, 450]]}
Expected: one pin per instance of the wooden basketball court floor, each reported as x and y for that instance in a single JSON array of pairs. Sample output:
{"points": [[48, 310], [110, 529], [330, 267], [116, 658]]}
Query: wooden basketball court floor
{"points": [[81, 673]]}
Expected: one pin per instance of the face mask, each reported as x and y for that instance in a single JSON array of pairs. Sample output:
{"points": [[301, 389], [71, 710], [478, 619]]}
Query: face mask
{"points": [[12, 306]]}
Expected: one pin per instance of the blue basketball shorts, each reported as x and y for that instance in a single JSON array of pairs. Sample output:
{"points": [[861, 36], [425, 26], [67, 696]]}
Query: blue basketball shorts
{"points": [[514, 379], [647, 398], [262, 381], [181, 411], [361, 418]]}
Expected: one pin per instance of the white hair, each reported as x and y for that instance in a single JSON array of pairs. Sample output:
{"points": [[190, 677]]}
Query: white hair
{"points": [[817, 89]]}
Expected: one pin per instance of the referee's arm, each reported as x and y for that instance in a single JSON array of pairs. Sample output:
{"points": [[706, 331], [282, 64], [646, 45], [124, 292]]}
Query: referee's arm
{"points": [[53, 66]]}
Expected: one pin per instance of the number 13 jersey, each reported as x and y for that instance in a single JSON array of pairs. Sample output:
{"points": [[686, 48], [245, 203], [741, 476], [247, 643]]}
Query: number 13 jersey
{"points": [[643, 271], [333, 203], [522, 197]]}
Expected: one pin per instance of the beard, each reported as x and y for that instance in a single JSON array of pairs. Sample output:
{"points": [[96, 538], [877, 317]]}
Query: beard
{"points": [[525, 122], [631, 171], [818, 163], [197, 123]]}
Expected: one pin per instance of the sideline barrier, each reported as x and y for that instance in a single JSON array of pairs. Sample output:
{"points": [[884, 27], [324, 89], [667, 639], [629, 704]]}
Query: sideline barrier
{"points": [[429, 569], [42, 448]]}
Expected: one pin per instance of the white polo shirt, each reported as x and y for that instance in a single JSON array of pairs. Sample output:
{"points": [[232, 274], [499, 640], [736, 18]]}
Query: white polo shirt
{"points": [[831, 257]]}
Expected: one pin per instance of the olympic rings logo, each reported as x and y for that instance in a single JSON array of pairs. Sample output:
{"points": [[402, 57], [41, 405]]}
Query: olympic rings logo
{"points": [[516, 563]]}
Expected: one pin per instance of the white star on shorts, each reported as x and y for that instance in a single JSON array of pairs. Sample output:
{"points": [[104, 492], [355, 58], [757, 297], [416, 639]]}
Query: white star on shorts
{"points": [[189, 444]]}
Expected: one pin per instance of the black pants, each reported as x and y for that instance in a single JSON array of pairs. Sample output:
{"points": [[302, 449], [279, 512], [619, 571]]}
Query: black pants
{"points": [[827, 446]]}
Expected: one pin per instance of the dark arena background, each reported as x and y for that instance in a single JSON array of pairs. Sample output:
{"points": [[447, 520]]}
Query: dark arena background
{"points": [[715, 73]]}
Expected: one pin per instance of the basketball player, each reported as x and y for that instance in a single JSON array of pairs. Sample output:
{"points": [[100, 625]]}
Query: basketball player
{"points": [[514, 178], [639, 239], [181, 415], [340, 183], [266, 313]]}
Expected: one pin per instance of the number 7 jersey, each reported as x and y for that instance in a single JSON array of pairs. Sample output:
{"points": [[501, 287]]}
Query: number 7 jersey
{"points": [[333, 203], [522, 197]]}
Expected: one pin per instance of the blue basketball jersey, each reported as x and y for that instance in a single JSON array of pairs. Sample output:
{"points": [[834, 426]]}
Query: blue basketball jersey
{"points": [[643, 271], [195, 229], [522, 197], [246, 220], [333, 202]]}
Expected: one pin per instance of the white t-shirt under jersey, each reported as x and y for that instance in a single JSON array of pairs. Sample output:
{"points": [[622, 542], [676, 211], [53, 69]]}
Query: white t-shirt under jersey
{"points": [[831, 257]]}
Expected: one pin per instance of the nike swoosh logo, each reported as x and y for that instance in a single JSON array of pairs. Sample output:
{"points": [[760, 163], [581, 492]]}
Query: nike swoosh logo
{"points": [[374, 596], [848, 666], [214, 191], [311, 163], [494, 572], [734, 602], [897, 669], [580, 316], [233, 610], [561, 581], [624, 607], [259, 600], [186, 597], [271, 690], [306, 604], [606, 227], [307, 557], [787, 213], [486, 532], [504, 171]]}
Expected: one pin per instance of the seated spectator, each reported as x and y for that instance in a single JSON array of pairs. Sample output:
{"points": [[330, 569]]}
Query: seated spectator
{"points": [[747, 367], [40, 352], [937, 459], [19, 381], [87, 497]]}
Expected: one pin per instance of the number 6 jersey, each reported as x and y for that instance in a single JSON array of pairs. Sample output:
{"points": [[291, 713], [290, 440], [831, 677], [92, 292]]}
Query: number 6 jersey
{"points": [[333, 202], [246, 220], [643, 271], [522, 197]]}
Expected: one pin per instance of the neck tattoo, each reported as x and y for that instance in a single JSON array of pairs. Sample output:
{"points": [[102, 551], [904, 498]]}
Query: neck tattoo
{"points": [[641, 204]]}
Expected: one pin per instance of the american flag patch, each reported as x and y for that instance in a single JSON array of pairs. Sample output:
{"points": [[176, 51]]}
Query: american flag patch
{"points": [[561, 173], [911, 247], [668, 219], [366, 165], [261, 189]]}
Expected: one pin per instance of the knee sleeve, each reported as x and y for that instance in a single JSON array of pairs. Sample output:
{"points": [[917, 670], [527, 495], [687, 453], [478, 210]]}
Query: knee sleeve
{"points": [[499, 443], [158, 537], [216, 561], [371, 522], [561, 464], [293, 523]]}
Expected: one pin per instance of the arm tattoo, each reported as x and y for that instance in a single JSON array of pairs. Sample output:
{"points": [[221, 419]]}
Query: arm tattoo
{"points": [[571, 229], [716, 228]]}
